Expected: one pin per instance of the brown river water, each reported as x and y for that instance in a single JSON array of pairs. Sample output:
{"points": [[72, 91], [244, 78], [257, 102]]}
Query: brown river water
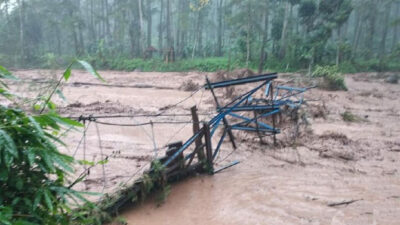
{"points": [[337, 173], [265, 191]]}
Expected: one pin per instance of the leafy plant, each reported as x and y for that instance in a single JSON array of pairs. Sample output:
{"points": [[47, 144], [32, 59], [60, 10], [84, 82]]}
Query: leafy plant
{"points": [[204, 65], [66, 75], [333, 79], [350, 117], [120, 221], [33, 173]]}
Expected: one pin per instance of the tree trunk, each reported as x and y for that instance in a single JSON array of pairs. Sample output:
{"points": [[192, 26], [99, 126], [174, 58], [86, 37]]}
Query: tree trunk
{"points": [[21, 29], [197, 34], [92, 25], [80, 30], [149, 22], [179, 27], [81, 39], [6, 2], [248, 34], [169, 37], [160, 28], [282, 51], [170, 56], [107, 21], [58, 38], [396, 27], [371, 28], [75, 38], [200, 39], [264, 41], [132, 39], [103, 23], [311, 64], [338, 46], [183, 25], [385, 24], [134, 26], [140, 30], [358, 29], [220, 32]]}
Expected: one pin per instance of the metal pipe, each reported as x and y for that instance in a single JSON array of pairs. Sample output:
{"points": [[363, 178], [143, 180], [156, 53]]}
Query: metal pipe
{"points": [[264, 77]]}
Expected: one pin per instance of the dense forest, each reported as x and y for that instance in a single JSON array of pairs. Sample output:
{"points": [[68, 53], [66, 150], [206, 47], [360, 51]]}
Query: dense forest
{"points": [[320, 38], [203, 34]]}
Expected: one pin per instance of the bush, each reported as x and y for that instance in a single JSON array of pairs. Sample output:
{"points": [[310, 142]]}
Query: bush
{"points": [[332, 78], [349, 117], [393, 79], [33, 173], [203, 65], [29, 159], [347, 67]]}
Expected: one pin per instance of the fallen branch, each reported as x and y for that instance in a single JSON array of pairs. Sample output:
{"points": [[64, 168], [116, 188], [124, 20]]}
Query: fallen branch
{"points": [[334, 204], [139, 86]]}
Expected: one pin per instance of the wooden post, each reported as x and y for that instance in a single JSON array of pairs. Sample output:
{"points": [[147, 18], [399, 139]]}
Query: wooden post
{"points": [[209, 154], [258, 127], [196, 128]]}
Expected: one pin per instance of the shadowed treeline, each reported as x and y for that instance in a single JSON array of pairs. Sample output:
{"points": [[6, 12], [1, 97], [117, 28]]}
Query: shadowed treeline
{"points": [[267, 34]]}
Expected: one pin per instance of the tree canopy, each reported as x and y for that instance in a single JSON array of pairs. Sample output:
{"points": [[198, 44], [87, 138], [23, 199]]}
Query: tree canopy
{"points": [[265, 34]]}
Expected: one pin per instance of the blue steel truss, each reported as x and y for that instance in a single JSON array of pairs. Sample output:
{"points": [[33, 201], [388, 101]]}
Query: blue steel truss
{"points": [[264, 109]]}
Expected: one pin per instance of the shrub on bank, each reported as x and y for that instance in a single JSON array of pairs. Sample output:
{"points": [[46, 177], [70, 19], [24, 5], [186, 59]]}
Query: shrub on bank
{"points": [[150, 65], [332, 78]]}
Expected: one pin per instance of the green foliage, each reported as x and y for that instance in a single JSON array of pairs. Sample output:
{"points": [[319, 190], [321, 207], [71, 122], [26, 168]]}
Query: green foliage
{"points": [[33, 173], [204, 65], [378, 65], [157, 180], [338, 10], [49, 60], [89, 68], [333, 79], [163, 194], [350, 117], [48, 34], [276, 31], [307, 11], [120, 221], [347, 67], [29, 157]]}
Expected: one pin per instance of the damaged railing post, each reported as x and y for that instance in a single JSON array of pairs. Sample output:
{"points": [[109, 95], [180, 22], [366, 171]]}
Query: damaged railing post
{"points": [[209, 154], [196, 128]]}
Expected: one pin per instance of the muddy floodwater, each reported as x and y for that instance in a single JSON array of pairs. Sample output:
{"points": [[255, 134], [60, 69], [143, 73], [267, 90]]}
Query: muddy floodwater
{"points": [[336, 172], [269, 192]]}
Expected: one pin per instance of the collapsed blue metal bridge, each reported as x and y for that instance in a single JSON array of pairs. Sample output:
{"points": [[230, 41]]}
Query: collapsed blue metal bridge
{"points": [[253, 111], [263, 109]]}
